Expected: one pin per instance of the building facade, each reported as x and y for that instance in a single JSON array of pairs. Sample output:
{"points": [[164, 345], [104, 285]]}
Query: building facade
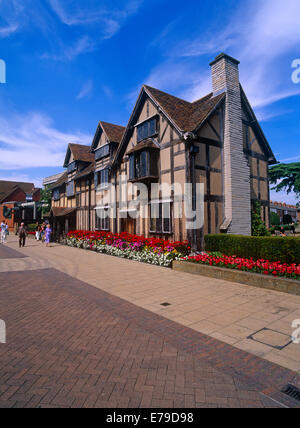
{"points": [[215, 141], [18, 202], [282, 209]]}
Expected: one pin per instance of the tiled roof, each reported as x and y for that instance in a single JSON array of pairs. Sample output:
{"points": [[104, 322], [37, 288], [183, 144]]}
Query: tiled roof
{"points": [[8, 187], [283, 205], [114, 132], [62, 180], [88, 170], [81, 153], [187, 116]]}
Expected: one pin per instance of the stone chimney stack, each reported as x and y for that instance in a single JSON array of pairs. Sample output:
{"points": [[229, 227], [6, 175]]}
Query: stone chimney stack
{"points": [[237, 187]]}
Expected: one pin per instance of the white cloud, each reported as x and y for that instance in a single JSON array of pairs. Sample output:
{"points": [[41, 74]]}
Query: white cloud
{"points": [[104, 14], [284, 197], [8, 30], [264, 36], [69, 53], [32, 141], [85, 90]]}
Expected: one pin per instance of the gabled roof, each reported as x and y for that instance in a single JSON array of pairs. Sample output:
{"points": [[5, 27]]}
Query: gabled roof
{"points": [[62, 180], [86, 171], [8, 187], [257, 129], [79, 152], [113, 132], [187, 116]]}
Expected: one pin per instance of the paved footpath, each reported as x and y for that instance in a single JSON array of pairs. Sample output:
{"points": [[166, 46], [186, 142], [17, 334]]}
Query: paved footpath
{"points": [[74, 343]]}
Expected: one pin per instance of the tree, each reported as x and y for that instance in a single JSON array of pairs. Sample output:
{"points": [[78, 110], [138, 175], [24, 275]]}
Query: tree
{"points": [[258, 226], [287, 219], [274, 219], [286, 177], [46, 196]]}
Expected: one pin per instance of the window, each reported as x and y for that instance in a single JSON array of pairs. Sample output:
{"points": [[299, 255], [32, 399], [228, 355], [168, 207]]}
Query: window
{"points": [[161, 218], [143, 164], [72, 167], [102, 219], [102, 178], [147, 129], [56, 194], [70, 189], [103, 152], [131, 167]]}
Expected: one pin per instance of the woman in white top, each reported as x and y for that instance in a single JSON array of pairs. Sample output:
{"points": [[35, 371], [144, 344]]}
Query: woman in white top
{"points": [[3, 233]]}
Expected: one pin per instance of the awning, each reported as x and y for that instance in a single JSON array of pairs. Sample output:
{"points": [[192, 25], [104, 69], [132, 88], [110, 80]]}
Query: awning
{"points": [[62, 212]]}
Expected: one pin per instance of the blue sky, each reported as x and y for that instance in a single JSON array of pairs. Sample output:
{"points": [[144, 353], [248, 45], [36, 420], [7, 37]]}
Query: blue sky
{"points": [[71, 63]]}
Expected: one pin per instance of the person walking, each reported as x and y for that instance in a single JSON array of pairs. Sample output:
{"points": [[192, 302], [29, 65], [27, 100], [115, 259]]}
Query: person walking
{"points": [[3, 232], [6, 231], [48, 235], [37, 232], [22, 235], [43, 231]]}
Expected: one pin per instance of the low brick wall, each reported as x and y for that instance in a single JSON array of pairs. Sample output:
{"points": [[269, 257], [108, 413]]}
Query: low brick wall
{"points": [[256, 280]]}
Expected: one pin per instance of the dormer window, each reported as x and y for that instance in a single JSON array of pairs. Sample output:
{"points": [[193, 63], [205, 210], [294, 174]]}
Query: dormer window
{"points": [[72, 167], [70, 189], [143, 165], [103, 152], [56, 195], [147, 129]]}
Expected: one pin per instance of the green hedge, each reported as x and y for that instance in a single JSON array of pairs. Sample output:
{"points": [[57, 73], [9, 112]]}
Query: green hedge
{"points": [[283, 249]]}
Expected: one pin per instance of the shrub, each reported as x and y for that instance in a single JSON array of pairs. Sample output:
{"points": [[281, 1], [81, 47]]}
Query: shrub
{"points": [[258, 226], [274, 249], [31, 227], [287, 219], [274, 219]]}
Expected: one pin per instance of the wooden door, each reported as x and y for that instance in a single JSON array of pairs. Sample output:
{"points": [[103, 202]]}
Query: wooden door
{"points": [[128, 225]]}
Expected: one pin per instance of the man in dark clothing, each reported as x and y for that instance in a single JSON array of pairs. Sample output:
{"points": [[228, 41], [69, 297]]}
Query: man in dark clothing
{"points": [[22, 235]]}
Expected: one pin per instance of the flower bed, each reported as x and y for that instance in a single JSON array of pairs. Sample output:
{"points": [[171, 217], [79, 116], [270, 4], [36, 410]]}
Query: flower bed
{"points": [[152, 250], [265, 267]]}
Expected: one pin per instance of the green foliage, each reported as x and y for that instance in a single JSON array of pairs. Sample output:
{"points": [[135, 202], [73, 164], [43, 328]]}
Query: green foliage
{"points": [[288, 175], [46, 197], [258, 226], [274, 219], [274, 249], [287, 219], [31, 227]]}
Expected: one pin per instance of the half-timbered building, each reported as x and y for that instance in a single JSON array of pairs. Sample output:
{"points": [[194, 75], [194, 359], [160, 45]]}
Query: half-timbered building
{"points": [[216, 141]]}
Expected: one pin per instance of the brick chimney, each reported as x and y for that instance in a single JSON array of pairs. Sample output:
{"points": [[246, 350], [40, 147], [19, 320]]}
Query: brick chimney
{"points": [[237, 187]]}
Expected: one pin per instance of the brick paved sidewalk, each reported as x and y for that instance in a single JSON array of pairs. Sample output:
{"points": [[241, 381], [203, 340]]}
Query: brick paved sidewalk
{"points": [[226, 311], [71, 345]]}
